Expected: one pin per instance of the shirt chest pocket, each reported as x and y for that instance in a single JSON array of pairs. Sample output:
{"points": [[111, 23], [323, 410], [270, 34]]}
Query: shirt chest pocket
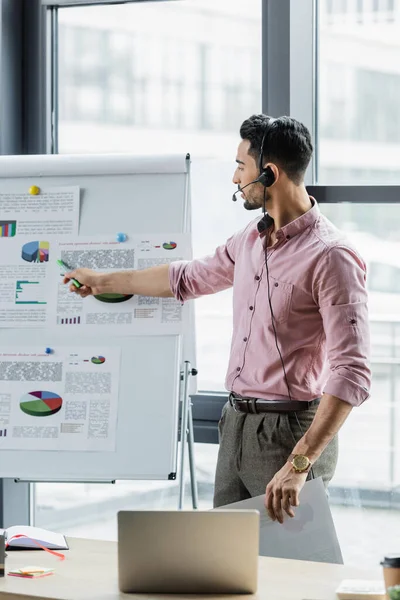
{"points": [[281, 299]]}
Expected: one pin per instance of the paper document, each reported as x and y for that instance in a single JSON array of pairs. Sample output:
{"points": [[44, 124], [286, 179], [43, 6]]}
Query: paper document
{"points": [[54, 211], [309, 535], [67, 400], [119, 314]]}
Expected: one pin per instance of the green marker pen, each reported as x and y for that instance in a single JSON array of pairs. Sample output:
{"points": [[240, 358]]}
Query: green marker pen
{"points": [[66, 269]]}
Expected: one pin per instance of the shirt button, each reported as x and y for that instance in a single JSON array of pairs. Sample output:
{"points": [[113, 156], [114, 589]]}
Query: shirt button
{"points": [[257, 278], [251, 307], [245, 339], [276, 284], [238, 369], [288, 237]]}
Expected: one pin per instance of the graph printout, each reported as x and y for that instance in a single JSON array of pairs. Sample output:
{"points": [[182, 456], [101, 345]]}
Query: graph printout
{"points": [[67, 400], [117, 313]]}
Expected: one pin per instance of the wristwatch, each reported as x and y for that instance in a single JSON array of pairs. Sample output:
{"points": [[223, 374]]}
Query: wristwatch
{"points": [[300, 463]]}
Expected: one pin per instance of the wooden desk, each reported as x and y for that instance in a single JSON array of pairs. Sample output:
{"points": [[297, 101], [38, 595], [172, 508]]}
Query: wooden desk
{"points": [[89, 572]]}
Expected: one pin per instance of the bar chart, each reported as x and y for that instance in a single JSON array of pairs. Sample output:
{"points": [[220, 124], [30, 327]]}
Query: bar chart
{"points": [[8, 228], [68, 320]]}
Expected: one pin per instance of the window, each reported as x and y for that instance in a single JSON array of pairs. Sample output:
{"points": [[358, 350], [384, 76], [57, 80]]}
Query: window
{"points": [[359, 90], [170, 76]]}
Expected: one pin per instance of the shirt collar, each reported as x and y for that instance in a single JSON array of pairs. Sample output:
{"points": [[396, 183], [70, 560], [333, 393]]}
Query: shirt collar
{"points": [[300, 224]]}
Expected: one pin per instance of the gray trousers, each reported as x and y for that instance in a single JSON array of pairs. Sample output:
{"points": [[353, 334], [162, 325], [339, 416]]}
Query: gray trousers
{"points": [[252, 448]]}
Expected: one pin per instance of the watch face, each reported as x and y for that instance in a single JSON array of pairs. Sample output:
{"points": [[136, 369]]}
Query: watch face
{"points": [[300, 462]]}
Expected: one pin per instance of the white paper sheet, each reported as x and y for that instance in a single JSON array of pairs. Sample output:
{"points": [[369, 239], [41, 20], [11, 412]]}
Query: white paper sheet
{"points": [[54, 211], [126, 315], [66, 400], [309, 535]]}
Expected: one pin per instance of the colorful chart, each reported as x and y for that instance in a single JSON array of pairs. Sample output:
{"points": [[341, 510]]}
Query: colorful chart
{"points": [[41, 404], [113, 298], [8, 228], [36, 252], [98, 360], [169, 246]]}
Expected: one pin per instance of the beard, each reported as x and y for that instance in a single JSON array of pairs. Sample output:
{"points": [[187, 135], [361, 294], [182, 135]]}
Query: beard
{"points": [[250, 206], [256, 202]]}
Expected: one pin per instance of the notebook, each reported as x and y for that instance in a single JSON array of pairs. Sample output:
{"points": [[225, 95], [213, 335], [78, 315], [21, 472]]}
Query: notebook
{"points": [[31, 572], [48, 539]]}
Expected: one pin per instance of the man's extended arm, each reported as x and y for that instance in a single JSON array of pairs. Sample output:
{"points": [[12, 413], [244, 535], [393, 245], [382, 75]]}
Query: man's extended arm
{"points": [[183, 280]]}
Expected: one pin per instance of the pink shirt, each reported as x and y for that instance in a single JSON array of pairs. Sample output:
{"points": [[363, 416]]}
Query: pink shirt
{"points": [[319, 301]]}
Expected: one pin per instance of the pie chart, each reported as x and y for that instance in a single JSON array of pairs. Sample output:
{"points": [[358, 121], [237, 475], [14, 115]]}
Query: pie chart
{"points": [[37, 252], [113, 298], [98, 360], [40, 404], [169, 245]]}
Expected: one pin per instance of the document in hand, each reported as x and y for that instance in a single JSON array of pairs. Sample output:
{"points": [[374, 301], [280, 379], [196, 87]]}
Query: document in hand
{"points": [[47, 539], [309, 535]]}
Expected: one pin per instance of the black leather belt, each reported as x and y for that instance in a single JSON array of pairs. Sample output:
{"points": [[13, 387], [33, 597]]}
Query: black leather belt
{"points": [[259, 405]]}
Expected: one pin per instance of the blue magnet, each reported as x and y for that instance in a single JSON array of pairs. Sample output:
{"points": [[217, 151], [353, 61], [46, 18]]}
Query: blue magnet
{"points": [[48, 351], [121, 237]]}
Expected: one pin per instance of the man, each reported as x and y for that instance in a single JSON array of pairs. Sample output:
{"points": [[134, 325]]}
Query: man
{"points": [[300, 345]]}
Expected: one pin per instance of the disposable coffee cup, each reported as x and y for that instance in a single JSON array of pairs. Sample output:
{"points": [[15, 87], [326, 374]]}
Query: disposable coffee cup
{"points": [[391, 570]]}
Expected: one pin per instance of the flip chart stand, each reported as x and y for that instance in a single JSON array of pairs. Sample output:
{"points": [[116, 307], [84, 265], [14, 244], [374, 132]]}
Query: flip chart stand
{"points": [[187, 439]]}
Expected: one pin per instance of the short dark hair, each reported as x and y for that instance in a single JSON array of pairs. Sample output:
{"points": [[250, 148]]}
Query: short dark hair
{"points": [[287, 143]]}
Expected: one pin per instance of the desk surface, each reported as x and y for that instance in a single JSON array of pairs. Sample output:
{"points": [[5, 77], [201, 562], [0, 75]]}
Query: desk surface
{"points": [[89, 572]]}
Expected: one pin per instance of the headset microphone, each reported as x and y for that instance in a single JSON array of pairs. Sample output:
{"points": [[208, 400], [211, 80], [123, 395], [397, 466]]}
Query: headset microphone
{"points": [[245, 186]]}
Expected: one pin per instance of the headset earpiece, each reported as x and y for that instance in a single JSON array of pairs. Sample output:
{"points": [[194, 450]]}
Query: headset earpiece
{"points": [[267, 177]]}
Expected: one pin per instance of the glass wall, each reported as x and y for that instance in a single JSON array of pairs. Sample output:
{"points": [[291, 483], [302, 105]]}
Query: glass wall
{"points": [[161, 78]]}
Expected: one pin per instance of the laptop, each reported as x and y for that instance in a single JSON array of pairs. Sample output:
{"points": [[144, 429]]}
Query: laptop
{"points": [[191, 552]]}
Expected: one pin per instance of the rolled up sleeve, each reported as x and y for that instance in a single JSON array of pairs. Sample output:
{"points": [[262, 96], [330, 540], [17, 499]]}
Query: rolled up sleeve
{"points": [[200, 277], [340, 291]]}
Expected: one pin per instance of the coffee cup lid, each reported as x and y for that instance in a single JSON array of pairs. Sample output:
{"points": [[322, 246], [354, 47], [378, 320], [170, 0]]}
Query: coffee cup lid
{"points": [[392, 561]]}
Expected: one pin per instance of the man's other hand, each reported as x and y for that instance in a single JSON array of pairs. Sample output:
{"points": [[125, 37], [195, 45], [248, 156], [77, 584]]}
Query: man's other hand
{"points": [[282, 493]]}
